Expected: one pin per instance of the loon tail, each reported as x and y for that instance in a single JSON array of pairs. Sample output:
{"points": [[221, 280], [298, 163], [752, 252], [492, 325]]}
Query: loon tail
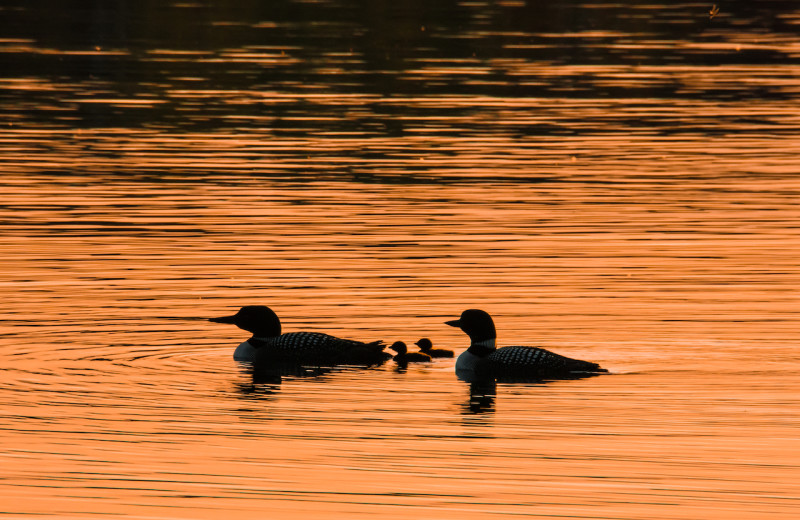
{"points": [[364, 353], [586, 366]]}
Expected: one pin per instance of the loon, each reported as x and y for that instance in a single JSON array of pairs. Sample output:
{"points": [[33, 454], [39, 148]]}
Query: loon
{"points": [[483, 358], [403, 356], [268, 344], [426, 347]]}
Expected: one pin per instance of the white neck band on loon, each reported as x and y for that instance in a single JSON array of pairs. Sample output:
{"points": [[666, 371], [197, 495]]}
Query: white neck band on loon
{"points": [[484, 347]]}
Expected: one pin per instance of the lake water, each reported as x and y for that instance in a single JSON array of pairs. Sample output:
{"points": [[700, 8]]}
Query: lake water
{"points": [[616, 182]]}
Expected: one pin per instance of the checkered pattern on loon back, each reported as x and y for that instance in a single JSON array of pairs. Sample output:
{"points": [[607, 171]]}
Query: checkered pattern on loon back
{"points": [[537, 360], [316, 347]]}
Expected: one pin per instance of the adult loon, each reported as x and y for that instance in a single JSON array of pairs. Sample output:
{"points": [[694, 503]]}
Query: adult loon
{"points": [[484, 359], [404, 356], [426, 347], [314, 348]]}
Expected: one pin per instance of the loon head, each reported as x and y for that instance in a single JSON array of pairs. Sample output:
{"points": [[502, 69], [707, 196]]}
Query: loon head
{"points": [[399, 347], [258, 319], [477, 324], [424, 344]]}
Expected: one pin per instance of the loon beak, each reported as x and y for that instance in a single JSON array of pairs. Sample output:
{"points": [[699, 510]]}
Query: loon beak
{"points": [[224, 319], [454, 323]]}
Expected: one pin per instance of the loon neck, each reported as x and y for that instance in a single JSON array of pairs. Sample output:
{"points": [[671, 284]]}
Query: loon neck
{"points": [[483, 348]]}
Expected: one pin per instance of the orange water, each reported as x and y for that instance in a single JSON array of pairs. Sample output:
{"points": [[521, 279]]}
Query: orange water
{"points": [[617, 204]]}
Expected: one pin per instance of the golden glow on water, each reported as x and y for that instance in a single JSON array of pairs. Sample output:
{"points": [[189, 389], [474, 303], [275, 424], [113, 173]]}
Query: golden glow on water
{"points": [[640, 213], [108, 408]]}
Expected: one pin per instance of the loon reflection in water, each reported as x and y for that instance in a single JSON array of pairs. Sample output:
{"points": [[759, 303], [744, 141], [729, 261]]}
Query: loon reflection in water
{"points": [[266, 378], [483, 390]]}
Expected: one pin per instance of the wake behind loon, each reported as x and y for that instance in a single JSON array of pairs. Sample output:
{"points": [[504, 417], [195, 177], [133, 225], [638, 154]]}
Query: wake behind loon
{"points": [[483, 358], [313, 348]]}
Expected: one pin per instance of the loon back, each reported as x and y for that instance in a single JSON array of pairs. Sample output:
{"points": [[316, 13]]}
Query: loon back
{"points": [[521, 364], [317, 348], [537, 360]]}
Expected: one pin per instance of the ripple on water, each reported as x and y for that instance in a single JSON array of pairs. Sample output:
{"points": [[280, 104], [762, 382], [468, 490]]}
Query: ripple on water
{"points": [[613, 182]]}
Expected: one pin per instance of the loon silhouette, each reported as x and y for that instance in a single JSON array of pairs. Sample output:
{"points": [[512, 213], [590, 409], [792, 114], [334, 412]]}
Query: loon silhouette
{"points": [[426, 347], [268, 344], [404, 356], [483, 358]]}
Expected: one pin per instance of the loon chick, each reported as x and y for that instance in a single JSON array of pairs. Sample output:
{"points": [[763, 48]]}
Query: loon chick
{"points": [[426, 347], [268, 344], [483, 356], [404, 356]]}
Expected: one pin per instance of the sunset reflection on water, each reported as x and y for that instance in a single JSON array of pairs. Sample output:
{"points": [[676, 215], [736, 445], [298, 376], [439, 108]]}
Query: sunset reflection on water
{"points": [[613, 182]]}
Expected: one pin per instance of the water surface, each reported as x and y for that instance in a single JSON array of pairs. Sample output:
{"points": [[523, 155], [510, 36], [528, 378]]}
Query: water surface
{"points": [[614, 182]]}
